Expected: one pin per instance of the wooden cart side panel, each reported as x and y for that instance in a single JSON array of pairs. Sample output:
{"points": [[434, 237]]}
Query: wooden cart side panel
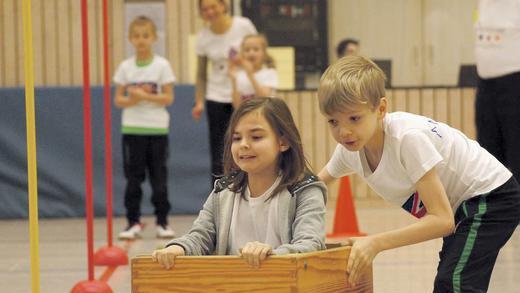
{"points": [[327, 272], [199, 274]]}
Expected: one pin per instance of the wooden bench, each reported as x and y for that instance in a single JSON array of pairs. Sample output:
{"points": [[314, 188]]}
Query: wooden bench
{"points": [[322, 271]]}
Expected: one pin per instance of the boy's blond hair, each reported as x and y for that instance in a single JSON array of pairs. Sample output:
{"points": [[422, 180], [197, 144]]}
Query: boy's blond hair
{"points": [[140, 21], [352, 80]]}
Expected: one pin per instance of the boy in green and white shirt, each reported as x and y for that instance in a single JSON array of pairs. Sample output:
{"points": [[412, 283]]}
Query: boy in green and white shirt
{"points": [[144, 89]]}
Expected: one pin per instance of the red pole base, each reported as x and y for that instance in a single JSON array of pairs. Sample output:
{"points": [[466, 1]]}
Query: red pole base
{"points": [[110, 256], [91, 287]]}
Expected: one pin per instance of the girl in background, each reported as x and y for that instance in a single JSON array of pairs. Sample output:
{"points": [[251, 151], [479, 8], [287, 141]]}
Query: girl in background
{"points": [[253, 72]]}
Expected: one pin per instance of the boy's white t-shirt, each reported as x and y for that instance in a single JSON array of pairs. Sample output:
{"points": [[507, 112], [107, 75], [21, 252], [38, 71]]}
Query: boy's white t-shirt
{"points": [[255, 219], [216, 48], [413, 145], [265, 77], [498, 38], [145, 117]]}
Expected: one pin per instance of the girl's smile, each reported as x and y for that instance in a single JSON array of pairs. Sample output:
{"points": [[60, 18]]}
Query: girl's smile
{"points": [[256, 147]]}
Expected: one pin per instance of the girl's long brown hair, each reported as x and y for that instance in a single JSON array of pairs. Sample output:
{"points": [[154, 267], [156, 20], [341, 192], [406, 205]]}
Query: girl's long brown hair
{"points": [[292, 163]]}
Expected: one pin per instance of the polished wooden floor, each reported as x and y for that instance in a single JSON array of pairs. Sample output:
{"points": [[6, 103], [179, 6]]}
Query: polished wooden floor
{"points": [[63, 254]]}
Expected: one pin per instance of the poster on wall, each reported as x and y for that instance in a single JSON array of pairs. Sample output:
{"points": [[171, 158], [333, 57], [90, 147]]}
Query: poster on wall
{"points": [[153, 10]]}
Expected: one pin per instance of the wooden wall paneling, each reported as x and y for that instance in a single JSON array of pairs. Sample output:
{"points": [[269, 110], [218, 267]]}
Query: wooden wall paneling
{"points": [[414, 101], [399, 100], [93, 42], [20, 78], [2, 41], [455, 108], [196, 25], [9, 32], [293, 102], [184, 34], [468, 112], [76, 47], [320, 137], [37, 41], [64, 50], [194, 14], [50, 42], [173, 37], [118, 34], [100, 66], [331, 142], [331, 146], [334, 186], [427, 103], [196, 21], [441, 105], [110, 40], [307, 126], [389, 98]]}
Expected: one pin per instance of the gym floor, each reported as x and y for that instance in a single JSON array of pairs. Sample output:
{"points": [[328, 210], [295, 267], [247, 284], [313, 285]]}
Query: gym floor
{"points": [[63, 250]]}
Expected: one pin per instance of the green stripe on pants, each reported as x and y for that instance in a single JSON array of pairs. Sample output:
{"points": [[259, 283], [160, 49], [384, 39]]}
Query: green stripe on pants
{"points": [[470, 242]]}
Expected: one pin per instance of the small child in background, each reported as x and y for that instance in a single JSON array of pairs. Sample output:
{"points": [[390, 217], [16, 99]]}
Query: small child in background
{"points": [[252, 71], [267, 203], [454, 187], [144, 89]]}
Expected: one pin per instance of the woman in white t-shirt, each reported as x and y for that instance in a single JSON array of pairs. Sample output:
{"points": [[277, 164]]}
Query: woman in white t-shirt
{"points": [[252, 72], [217, 41]]}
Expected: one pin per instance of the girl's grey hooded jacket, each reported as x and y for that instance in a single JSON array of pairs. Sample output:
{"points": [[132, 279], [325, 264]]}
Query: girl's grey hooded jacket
{"points": [[301, 215]]}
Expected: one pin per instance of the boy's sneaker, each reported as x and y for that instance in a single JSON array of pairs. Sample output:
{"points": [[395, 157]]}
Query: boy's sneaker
{"points": [[163, 231], [131, 232]]}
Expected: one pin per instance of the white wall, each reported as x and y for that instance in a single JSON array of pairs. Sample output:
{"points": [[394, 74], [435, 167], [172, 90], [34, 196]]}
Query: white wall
{"points": [[426, 40]]}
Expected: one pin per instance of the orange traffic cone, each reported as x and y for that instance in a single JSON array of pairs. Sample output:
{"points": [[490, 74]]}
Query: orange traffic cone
{"points": [[345, 219]]}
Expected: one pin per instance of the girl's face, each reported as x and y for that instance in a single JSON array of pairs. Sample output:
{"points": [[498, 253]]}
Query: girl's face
{"points": [[142, 37], [256, 147], [253, 50], [210, 10]]}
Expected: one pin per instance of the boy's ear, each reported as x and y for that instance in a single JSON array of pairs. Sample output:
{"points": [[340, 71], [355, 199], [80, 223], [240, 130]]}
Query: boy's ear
{"points": [[383, 107], [284, 144]]}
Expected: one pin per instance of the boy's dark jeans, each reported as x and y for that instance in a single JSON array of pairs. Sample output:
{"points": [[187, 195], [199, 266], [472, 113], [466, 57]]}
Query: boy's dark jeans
{"points": [[484, 224], [146, 154]]}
